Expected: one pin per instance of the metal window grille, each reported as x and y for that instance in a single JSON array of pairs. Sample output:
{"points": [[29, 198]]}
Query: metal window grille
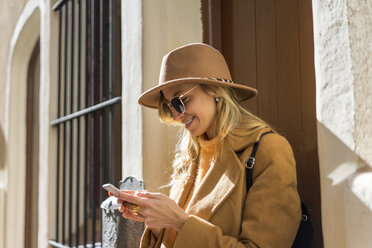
{"points": [[88, 117]]}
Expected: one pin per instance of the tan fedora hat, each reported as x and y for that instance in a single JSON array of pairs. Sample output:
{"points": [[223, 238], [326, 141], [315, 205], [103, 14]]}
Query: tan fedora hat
{"points": [[193, 63]]}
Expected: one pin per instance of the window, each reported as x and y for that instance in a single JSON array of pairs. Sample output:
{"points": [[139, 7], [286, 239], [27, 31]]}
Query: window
{"points": [[88, 116]]}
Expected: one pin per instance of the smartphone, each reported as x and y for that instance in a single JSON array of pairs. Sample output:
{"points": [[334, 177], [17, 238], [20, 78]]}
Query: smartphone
{"points": [[111, 188]]}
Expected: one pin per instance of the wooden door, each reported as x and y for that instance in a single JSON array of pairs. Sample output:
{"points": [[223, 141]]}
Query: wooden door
{"points": [[268, 45]]}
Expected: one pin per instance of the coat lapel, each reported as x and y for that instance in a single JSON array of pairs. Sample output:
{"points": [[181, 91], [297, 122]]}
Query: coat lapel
{"points": [[180, 189], [217, 185], [220, 180]]}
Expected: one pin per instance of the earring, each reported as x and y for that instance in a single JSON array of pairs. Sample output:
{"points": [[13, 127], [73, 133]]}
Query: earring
{"points": [[217, 99]]}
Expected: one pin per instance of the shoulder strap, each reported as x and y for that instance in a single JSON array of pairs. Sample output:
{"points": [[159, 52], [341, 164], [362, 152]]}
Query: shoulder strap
{"points": [[251, 162], [305, 231]]}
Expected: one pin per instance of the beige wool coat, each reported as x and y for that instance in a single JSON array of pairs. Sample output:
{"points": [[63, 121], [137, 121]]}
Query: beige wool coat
{"points": [[222, 214]]}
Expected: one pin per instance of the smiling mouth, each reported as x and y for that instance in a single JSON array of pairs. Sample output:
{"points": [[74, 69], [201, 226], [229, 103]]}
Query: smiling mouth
{"points": [[189, 121]]}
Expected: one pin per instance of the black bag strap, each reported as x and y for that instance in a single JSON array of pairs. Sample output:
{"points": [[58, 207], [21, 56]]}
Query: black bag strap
{"points": [[251, 162], [305, 231]]}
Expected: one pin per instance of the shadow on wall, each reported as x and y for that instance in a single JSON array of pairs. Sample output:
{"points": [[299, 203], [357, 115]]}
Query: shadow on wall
{"points": [[2, 149], [341, 166]]}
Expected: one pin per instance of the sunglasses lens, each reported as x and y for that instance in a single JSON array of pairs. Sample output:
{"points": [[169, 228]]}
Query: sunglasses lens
{"points": [[178, 105]]}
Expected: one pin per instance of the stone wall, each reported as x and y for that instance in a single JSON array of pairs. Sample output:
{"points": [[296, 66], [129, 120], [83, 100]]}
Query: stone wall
{"points": [[343, 58]]}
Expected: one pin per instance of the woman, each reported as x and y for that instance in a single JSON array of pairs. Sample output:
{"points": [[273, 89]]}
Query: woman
{"points": [[208, 204]]}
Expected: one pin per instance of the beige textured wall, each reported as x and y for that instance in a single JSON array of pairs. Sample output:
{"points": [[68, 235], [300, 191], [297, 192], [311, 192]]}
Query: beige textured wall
{"points": [[360, 35], [359, 195], [9, 14], [343, 58], [167, 24], [2, 178], [34, 21]]}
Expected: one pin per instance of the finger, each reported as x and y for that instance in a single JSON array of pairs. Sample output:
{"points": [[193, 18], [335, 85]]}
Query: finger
{"points": [[129, 205], [140, 191], [146, 194], [138, 218], [126, 213], [123, 209], [129, 192], [121, 202], [130, 215], [128, 197]]}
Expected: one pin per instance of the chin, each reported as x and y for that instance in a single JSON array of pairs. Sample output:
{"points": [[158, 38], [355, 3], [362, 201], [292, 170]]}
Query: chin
{"points": [[196, 133]]}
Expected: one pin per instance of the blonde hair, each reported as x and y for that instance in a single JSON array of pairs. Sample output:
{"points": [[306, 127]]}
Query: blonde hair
{"points": [[232, 120]]}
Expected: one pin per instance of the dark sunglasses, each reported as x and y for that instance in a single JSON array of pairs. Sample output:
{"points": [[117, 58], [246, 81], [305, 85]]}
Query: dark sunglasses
{"points": [[177, 103]]}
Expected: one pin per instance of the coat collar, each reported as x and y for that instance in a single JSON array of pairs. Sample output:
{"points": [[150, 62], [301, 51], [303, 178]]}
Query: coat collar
{"points": [[221, 179], [239, 143]]}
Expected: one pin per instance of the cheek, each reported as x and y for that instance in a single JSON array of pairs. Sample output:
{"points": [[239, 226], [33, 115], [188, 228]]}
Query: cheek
{"points": [[204, 108], [209, 113]]}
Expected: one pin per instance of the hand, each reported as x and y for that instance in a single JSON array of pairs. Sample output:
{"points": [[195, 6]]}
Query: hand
{"points": [[155, 209], [127, 208]]}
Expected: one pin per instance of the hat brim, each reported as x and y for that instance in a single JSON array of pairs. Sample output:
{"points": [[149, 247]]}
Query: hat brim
{"points": [[151, 97]]}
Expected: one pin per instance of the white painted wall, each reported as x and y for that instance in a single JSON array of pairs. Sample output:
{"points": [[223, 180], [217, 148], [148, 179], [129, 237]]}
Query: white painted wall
{"points": [[343, 58], [47, 112], [131, 88]]}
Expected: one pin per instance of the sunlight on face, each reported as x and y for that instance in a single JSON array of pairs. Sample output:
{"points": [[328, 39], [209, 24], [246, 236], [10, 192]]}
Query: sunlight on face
{"points": [[200, 109]]}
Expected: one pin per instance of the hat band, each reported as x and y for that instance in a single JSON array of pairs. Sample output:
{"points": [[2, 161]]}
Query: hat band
{"points": [[222, 80]]}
